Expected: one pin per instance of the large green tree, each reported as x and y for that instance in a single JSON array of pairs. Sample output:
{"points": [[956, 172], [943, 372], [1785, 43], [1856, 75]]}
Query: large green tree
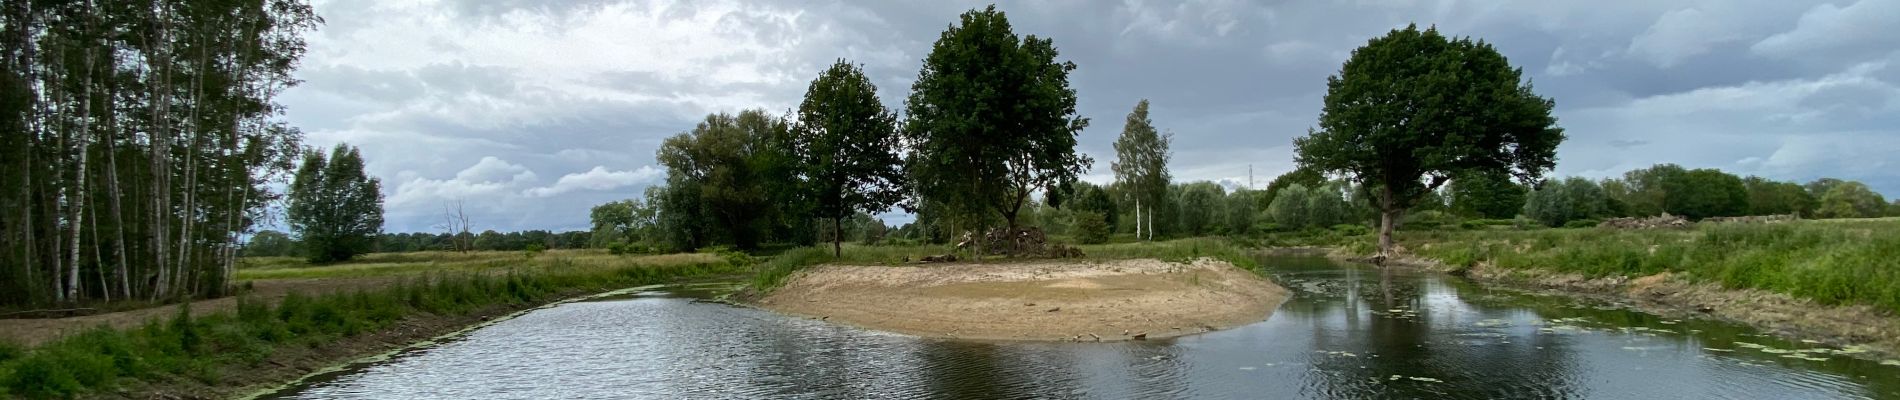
{"points": [[1486, 195], [1850, 199], [992, 120], [335, 208], [1769, 197], [846, 145], [1705, 192], [1200, 207], [726, 181], [1562, 201], [1141, 166], [1413, 108]]}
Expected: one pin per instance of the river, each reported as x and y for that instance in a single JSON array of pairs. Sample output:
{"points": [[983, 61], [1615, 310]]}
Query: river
{"points": [[1348, 332]]}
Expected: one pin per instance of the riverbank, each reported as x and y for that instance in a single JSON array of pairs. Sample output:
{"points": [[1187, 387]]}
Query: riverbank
{"points": [[1836, 282], [261, 343], [1047, 300]]}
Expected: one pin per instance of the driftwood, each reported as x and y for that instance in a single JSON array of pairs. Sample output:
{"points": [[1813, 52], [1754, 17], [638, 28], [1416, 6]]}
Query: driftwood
{"points": [[1021, 242]]}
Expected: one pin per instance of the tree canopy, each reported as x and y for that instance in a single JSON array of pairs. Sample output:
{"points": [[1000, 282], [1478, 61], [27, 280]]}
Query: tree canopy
{"points": [[1570, 199], [992, 119], [846, 143], [1141, 161], [1411, 109], [335, 209], [1486, 195], [1851, 199], [726, 182]]}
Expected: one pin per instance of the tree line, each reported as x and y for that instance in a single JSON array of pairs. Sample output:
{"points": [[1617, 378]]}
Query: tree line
{"points": [[139, 137], [1418, 129]]}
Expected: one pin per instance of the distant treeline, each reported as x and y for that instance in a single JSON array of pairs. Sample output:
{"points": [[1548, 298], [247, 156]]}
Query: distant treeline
{"points": [[270, 243]]}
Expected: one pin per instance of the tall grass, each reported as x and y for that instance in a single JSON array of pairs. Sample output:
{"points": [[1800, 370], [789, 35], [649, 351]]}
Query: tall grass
{"points": [[1833, 262], [205, 348], [1179, 250], [391, 264]]}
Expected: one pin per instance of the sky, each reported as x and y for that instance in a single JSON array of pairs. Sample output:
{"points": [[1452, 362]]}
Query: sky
{"points": [[529, 112]]}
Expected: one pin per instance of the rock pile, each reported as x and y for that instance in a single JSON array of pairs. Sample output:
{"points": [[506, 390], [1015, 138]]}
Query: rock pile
{"points": [[1752, 219], [1664, 221]]}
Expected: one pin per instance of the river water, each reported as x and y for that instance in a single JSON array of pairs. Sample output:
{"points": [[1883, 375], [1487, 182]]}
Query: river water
{"points": [[1348, 332]]}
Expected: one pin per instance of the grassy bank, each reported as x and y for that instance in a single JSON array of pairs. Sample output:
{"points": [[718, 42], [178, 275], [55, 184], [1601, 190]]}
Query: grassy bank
{"points": [[393, 264], [209, 348], [772, 273], [1832, 261]]}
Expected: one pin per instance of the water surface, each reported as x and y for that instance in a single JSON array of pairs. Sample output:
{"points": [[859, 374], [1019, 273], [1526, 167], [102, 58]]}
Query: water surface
{"points": [[1348, 332]]}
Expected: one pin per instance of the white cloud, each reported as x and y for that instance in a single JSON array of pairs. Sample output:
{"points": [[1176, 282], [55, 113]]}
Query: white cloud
{"points": [[1866, 25], [598, 178], [1681, 34]]}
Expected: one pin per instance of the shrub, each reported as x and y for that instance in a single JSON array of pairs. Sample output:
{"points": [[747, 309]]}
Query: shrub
{"points": [[1351, 230], [1582, 223], [1090, 228], [533, 249]]}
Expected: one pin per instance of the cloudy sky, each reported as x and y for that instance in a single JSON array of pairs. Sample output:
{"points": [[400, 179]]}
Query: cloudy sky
{"points": [[531, 111]]}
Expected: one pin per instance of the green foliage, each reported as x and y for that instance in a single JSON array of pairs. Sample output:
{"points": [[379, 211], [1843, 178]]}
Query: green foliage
{"points": [[1833, 262], [335, 209], [624, 221], [1095, 199], [1413, 108], [1090, 228], [1351, 230], [202, 347], [1242, 211], [1486, 195], [1643, 192], [1851, 200], [845, 143], [1703, 193], [991, 120], [773, 272], [726, 182], [270, 243], [1302, 176], [1560, 202], [1582, 223], [1200, 207], [1430, 219], [1298, 207], [1141, 164], [1767, 197]]}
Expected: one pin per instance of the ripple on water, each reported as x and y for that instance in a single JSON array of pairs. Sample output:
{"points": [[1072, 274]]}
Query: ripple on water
{"points": [[1346, 334]]}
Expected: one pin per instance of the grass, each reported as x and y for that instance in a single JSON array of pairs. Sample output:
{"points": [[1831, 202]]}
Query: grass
{"points": [[391, 264], [1829, 261], [208, 347]]}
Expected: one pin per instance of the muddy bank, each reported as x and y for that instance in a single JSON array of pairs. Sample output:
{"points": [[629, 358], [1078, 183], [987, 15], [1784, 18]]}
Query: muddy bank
{"points": [[1067, 300], [1676, 296]]}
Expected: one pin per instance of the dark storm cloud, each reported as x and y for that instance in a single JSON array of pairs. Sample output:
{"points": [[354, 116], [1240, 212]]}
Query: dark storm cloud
{"points": [[532, 111]]}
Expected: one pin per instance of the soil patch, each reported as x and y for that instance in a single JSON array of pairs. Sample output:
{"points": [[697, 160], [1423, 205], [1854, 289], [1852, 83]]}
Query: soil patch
{"points": [[1066, 300]]}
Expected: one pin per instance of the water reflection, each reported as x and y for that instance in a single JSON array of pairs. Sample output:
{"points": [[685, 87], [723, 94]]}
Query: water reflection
{"points": [[1349, 332]]}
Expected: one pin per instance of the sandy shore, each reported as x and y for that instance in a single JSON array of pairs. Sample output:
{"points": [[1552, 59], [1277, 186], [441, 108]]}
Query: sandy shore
{"points": [[1042, 300]]}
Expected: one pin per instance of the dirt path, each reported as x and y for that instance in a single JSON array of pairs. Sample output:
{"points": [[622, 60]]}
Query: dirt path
{"points": [[1048, 300], [34, 331]]}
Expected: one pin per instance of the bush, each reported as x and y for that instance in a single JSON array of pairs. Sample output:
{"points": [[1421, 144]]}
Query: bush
{"points": [[1090, 228], [1429, 220], [1351, 230], [1582, 223], [533, 249]]}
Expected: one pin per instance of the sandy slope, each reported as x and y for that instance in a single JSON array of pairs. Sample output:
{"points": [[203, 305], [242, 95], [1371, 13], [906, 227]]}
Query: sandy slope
{"points": [[1040, 300]]}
